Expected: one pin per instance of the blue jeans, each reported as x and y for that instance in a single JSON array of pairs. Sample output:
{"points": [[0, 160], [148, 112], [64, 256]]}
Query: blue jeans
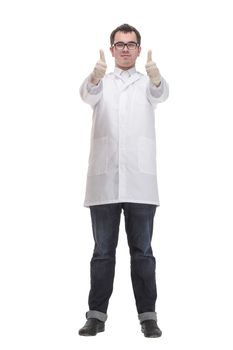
{"points": [[139, 228]]}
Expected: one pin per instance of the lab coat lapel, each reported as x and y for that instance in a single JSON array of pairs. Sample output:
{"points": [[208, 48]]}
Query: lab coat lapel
{"points": [[124, 85], [131, 80]]}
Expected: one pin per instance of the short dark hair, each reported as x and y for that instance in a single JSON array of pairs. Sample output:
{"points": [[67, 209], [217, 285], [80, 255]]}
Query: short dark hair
{"points": [[126, 28]]}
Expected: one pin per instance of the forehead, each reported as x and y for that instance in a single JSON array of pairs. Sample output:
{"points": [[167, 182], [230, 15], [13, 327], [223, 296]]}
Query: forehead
{"points": [[121, 36]]}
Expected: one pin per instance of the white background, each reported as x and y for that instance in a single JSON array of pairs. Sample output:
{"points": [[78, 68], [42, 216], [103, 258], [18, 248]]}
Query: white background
{"points": [[47, 49]]}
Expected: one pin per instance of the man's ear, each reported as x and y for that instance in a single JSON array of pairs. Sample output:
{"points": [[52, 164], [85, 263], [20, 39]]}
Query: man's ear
{"points": [[111, 50], [139, 50]]}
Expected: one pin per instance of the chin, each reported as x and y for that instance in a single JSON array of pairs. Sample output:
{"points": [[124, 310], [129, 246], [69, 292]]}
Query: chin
{"points": [[126, 64]]}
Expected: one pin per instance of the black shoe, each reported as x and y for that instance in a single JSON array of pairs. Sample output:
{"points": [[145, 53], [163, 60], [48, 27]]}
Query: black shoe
{"points": [[92, 327], [151, 329]]}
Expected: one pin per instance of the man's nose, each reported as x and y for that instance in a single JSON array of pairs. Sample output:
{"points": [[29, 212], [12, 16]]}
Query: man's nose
{"points": [[125, 48]]}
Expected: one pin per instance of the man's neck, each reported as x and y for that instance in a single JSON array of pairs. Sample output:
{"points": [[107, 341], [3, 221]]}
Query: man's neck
{"points": [[125, 68]]}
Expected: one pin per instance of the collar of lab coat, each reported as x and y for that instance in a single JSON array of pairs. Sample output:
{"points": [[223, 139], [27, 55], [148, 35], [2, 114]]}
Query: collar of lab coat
{"points": [[119, 71], [133, 76]]}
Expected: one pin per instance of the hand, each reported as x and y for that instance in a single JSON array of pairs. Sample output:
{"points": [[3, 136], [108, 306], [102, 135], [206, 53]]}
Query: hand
{"points": [[152, 70], [99, 70]]}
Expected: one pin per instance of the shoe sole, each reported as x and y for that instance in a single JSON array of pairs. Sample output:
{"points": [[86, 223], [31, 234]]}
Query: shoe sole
{"points": [[92, 334], [151, 335]]}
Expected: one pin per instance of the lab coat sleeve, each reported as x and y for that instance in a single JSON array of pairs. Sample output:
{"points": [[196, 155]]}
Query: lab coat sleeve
{"points": [[91, 93], [157, 94]]}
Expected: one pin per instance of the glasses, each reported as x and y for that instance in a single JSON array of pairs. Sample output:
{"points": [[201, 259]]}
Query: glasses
{"points": [[131, 45]]}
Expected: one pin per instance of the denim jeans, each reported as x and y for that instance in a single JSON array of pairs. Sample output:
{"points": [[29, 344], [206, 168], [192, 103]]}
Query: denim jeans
{"points": [[139, 228]]}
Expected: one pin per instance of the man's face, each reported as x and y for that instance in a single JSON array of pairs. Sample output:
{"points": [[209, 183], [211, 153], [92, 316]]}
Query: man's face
{"points": [[125, 59]]}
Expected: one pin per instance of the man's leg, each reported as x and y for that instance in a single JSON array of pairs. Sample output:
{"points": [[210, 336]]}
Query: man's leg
{"points": [[139, 220], [105, 225]]}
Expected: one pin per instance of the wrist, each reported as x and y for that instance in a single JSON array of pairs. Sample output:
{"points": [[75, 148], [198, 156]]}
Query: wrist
{"points": [[94, 80], [157, 84], [156, 80]]}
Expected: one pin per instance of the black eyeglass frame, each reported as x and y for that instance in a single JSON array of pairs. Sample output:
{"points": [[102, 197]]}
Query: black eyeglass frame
{"points": [[126, 45]]}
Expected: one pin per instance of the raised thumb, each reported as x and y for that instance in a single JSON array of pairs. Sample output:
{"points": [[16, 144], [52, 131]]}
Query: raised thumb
{"points": [[102, 57], [149, 56]]}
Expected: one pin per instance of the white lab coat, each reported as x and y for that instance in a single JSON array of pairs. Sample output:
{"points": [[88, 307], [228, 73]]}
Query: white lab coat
{"points": [[122, 159]]}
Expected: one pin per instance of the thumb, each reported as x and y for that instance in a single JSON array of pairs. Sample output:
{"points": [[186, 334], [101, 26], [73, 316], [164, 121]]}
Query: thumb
{"points": [[149, 56], [102, 57]]}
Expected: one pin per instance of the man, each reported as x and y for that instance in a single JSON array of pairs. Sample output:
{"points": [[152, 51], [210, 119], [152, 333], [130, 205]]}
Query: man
{"points": [[122, 175]]}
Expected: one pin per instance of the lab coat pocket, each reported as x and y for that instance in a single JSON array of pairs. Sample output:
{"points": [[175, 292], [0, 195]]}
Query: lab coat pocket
{"points": [[147, 155], [98, 156]]}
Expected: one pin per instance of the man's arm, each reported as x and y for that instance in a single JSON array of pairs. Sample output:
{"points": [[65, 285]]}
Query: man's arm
{"points": [[92, 87], [158, 89]]}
